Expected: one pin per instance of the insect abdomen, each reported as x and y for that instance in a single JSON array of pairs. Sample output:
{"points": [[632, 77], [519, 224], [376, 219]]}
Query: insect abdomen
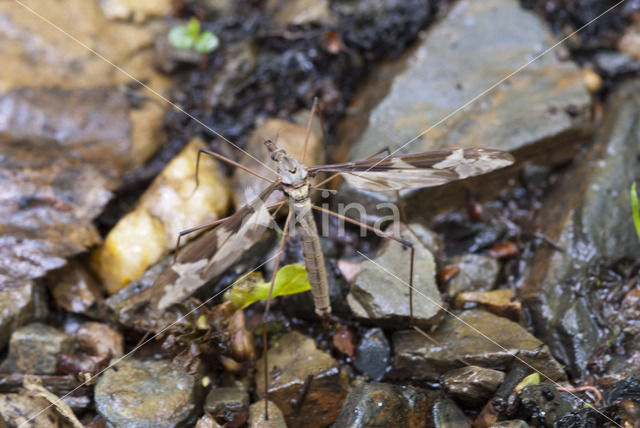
{"points": [[313, 259]]}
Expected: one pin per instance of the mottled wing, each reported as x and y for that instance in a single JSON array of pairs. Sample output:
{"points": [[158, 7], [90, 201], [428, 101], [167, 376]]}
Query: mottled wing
{"points": [[418, 170], [213, 253]]}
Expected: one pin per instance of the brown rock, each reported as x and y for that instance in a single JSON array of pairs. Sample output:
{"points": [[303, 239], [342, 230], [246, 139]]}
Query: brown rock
{"points": [[500, 302], [100, 339], [17, 408], [74, 288], [296, 364], [257, 416]]}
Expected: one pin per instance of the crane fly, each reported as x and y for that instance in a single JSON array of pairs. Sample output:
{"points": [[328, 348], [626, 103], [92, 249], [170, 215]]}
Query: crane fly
{"points": [[217, 250]]}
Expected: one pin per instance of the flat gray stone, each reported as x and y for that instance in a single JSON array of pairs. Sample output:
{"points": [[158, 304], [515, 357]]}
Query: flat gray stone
{"points": [[477, 273], [380, 292], [36, 349], [479, 338], [20, 304], [543, 111], [147, 394]]}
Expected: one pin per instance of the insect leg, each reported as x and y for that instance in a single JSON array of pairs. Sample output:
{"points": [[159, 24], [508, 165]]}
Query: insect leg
{"points": [[266, 312], [384, 234], [227, 160]]}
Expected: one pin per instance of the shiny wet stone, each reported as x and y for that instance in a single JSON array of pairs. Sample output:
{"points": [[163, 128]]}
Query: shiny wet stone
{"points": [[228, 404], [446, 414], [257, 417], [472, 385], [147, 394], [20, 304], [372, 354]]}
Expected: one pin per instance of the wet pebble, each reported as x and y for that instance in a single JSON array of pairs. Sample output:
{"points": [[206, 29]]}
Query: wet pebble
{"points": [[380, 292], [207, 421], [446, 414], [500, 302], [36, 349], [476, 273], [387, 405], [344, 341], [472, 385], [373, 353], [257, 416], [417, 357], [146, 394], [100, 339], [305, 383], [20, 305], [543, 404], [74, 288], [228, 405]]}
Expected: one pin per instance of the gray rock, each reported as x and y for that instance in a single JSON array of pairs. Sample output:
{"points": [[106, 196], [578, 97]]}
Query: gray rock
{"points": [[372, 354], [446, 414], [257, 417], [472, 385], [543, 404], [230, 404], [385, 405], [542, 111], [305, 383], [380, 292], [147, 394], [614, 63], [477, 273], [479, 338], [19, 305], [589, 215], [36, 349]]}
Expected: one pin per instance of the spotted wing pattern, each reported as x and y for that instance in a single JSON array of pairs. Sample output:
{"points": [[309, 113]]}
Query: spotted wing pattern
{"points": [[418, 170], [213, 253]]}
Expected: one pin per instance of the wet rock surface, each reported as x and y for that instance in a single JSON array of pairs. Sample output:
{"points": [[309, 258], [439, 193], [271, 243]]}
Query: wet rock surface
{"points": [[229, 405], [20, 305], [36, 349], [380, 292], [446, 414], [543, 404], [472, 385], [476, 273], [17, 409], [466, 338], [373, 354], [257, 418], [147, 394], [593, 198], [74, 288], [383, 404], [305, 383], [470, 65]]}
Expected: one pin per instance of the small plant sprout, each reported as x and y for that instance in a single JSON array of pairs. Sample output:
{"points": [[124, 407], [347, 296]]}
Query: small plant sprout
{"points": [[190, 36], [634, 209]]}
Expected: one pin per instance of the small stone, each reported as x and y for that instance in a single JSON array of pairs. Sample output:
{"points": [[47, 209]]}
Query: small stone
{"points": [[614, 63], [20, 305], [380, 292], [500, 302], [295, 365], [477, 273], [36, 348], [543, 404], [299, 12], [138, 11], [146, 394], [344, 341], [515, 423], [74, 288], [446, 414], [257, 416], [385, 405], [592, 80], [228, 404], [472, 385], [372, 354], [100, 339], [207, 421]]}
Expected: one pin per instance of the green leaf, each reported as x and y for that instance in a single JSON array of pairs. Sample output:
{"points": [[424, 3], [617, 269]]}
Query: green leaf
{"points": [[532, 379], [634, 209], [193, 27], [180, 38], [291, 279], [207, 42]]}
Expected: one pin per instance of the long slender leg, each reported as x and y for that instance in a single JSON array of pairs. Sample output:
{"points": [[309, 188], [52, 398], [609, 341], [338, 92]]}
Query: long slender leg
{"points": [[227, 160], [382, 233], [308, 131], [213, 223], [266, 312]]}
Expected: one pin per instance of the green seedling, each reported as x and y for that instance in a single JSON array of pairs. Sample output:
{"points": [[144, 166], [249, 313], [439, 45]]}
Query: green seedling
{"points": [[532, 379], [634, 209], [291, 279], [190, 36]]}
